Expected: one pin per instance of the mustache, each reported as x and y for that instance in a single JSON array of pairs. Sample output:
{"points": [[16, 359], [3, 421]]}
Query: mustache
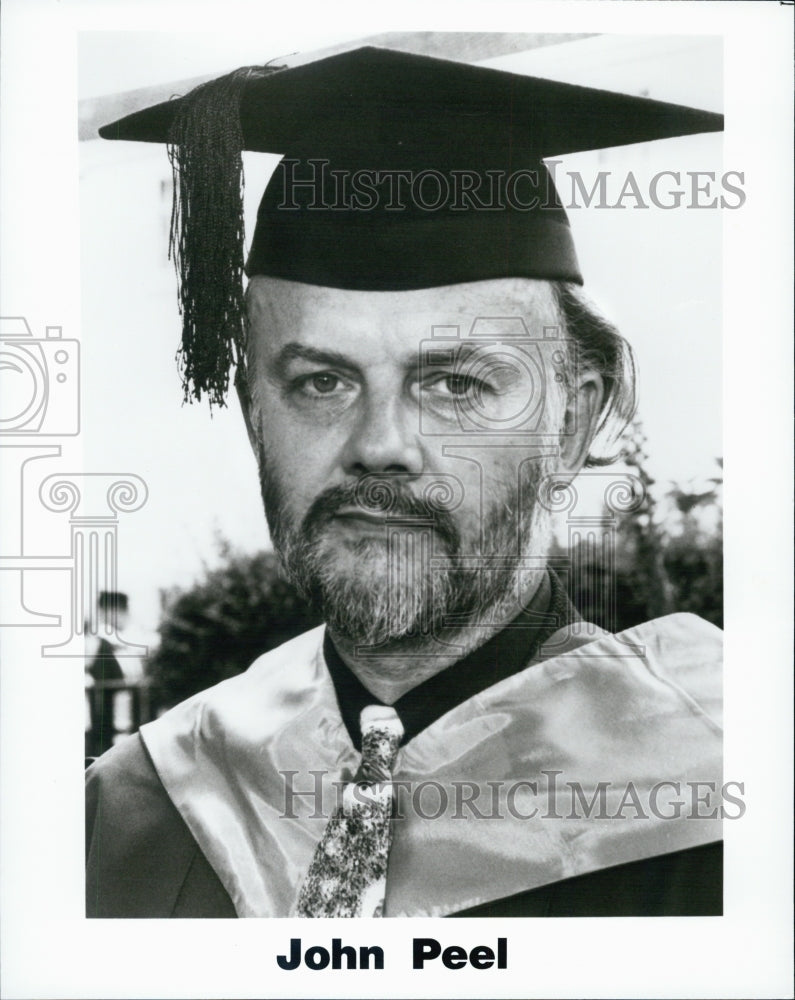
{"points": [[383, 495]]}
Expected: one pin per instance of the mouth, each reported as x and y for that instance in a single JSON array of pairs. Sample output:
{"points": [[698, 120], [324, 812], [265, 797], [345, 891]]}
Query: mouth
{"points": [[357, 517]]}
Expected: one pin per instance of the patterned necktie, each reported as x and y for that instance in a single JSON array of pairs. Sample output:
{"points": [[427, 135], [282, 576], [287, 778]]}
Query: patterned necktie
{"points": [[347, 877]]}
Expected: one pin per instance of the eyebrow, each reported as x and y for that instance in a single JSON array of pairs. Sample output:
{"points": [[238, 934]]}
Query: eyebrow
{"points": [[294, 351], [303, 352], [435, 351]]}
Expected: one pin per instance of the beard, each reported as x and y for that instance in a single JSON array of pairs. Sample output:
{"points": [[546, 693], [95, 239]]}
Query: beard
{"points": [[416, 582]]}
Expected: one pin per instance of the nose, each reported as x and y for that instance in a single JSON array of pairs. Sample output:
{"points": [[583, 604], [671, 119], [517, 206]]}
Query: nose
{"points": [[384, 439]]}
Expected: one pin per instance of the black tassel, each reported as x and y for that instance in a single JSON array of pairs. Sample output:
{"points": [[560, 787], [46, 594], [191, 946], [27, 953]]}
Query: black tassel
{"points": [[207, 232]]}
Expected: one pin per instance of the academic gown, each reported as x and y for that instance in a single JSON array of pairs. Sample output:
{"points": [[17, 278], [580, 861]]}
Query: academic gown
{"points": [[191, 818]]}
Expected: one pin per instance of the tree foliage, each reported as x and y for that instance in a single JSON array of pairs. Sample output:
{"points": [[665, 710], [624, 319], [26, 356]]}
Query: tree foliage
{"points": [[694, 556], [667, 554], [217, 628]]}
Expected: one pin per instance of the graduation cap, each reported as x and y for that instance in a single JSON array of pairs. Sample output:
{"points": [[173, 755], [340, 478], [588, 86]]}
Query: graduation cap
{"points": [[399, 172]]}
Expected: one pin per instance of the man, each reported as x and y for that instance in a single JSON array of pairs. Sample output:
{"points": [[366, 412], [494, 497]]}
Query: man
{"points": [[421, 381]]}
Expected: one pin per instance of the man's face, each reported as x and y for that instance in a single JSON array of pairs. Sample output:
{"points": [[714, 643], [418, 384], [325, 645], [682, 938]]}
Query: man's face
{"points": [[401, 447]]}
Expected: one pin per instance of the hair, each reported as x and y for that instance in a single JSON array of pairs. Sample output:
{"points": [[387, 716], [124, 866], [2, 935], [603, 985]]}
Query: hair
{"points": [[602, 349]]}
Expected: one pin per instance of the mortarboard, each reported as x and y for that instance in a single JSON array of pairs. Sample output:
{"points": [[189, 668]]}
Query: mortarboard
{"points": [[399, 172]]}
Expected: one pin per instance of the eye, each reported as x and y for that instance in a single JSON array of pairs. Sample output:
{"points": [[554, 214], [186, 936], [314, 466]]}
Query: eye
{"points": [[457, 386], [317, 384], [324, 382]]}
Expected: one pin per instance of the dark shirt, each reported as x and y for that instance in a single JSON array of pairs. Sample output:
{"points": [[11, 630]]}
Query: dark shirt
{"points": [[105, 666], [506, 653]]}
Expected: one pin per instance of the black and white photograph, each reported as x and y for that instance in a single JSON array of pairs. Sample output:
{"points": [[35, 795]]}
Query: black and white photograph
{"points": [[373, 392]]}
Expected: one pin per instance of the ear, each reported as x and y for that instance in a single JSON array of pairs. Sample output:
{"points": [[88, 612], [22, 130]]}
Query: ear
{"points": [[580, 421], [244, 396]]}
